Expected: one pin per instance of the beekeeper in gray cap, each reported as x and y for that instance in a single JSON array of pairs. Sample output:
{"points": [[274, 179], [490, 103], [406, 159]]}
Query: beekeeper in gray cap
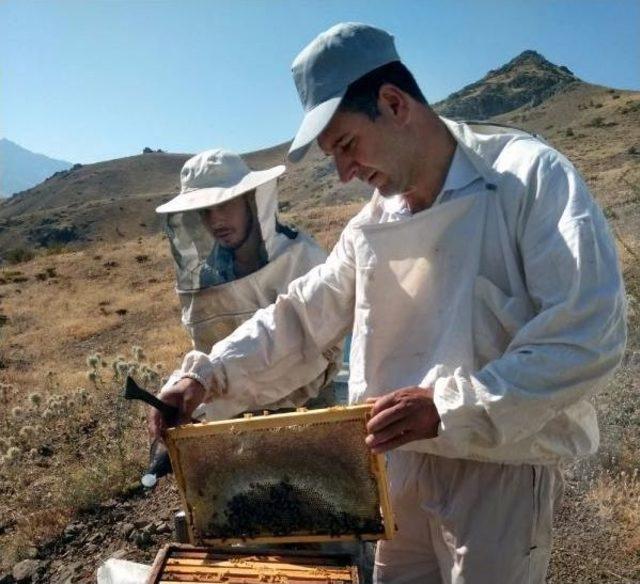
{"points": [[232, 257], [483, 290]]}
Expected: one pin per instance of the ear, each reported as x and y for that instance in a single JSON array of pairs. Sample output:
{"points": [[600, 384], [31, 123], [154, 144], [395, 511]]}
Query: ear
{"points": [[394, 103]]}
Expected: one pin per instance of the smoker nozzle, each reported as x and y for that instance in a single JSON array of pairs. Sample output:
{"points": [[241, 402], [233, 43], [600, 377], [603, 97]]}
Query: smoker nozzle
{"points": [[159, 464]]}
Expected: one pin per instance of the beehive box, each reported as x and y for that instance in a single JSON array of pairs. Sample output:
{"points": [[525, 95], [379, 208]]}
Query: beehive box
{"points": [[191, 564], [302, 477]]}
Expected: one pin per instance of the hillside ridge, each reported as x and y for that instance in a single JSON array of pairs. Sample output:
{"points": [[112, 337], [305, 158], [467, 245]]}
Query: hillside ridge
{"points": [[115, 200]]}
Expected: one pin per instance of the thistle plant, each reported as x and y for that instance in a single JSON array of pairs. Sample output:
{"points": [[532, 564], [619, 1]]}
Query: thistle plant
{"points": [[93, 361], [26, 432], [35, 399], [12, 454], [138, 353], [92, 442], [122, 415], [82, 396]]}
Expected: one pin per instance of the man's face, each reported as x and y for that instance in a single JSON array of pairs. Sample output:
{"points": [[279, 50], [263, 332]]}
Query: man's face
{"points": [[230, 222], [368, 150]]}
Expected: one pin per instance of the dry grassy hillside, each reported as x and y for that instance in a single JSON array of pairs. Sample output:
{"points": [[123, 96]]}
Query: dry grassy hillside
{"points": [[66, 442], [71, 451], [115, 201], [107, 201], [144, 174]]}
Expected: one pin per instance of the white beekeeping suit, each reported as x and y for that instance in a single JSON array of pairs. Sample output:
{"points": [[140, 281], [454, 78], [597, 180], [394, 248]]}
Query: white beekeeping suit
{"points": [[214, 300], [440, 299]]}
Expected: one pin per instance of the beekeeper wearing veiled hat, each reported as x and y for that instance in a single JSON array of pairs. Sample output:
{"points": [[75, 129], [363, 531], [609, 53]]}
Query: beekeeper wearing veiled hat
{"points": [[233, 257]]}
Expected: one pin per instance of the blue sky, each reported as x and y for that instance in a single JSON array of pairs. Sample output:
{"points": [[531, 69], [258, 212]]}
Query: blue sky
{"points": [[89, 80]]}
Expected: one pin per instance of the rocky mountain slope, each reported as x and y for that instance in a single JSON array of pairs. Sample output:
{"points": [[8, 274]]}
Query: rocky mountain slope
{"points": [[527, 80]]}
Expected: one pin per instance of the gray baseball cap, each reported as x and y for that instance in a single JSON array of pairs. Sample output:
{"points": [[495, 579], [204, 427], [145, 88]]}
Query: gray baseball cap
{"points": [[323, 70]]}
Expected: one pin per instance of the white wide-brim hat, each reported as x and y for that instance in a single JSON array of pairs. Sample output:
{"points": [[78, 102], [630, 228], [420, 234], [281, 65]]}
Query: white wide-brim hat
{"points": [[213, 177]]}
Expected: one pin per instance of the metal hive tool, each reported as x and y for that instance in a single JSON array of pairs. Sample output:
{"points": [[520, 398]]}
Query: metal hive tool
{"points": [[298, 477]]}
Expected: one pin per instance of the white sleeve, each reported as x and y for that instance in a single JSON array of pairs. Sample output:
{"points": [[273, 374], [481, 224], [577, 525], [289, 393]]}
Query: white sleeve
{"points": [[577, 336], [276, 351], [175, 376]]}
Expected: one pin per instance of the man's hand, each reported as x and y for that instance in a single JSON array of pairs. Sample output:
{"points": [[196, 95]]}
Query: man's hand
{"points": [[186, 394], [400, 417]]}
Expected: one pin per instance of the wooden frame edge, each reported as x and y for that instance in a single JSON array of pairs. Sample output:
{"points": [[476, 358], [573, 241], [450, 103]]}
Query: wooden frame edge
{"points": [[159, 563], [333, 414]]}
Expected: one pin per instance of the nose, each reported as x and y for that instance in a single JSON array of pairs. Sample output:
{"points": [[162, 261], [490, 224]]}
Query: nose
{"points": [[217, 218], [345, 167]]}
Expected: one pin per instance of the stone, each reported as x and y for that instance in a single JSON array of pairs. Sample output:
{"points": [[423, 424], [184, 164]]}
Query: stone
{"points": [[25, 570], [142, 539], [72, 529], [45, 450], [71, 572], [126, 529]]}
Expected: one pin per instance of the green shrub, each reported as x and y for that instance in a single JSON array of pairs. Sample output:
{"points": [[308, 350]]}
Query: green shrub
{"points": [[19, 255]]}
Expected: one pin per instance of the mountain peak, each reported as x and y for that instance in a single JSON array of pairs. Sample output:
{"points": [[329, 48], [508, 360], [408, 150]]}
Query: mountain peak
{"points": [[527, 79], [529, 55], [531, 58]]}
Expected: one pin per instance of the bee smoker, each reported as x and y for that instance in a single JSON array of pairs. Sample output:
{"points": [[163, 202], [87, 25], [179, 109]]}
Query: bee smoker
{"points": [[159, 462]]}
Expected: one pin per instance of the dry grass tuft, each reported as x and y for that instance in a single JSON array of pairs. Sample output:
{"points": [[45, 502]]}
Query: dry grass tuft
{"points": [[617, 500]]}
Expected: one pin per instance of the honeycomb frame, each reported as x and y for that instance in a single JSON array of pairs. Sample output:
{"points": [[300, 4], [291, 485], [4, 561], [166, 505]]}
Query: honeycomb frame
{"points": [[326, 520]]}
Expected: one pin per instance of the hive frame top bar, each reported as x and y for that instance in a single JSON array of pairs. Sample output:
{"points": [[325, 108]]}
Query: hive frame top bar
{"points": [[259, 422]]}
